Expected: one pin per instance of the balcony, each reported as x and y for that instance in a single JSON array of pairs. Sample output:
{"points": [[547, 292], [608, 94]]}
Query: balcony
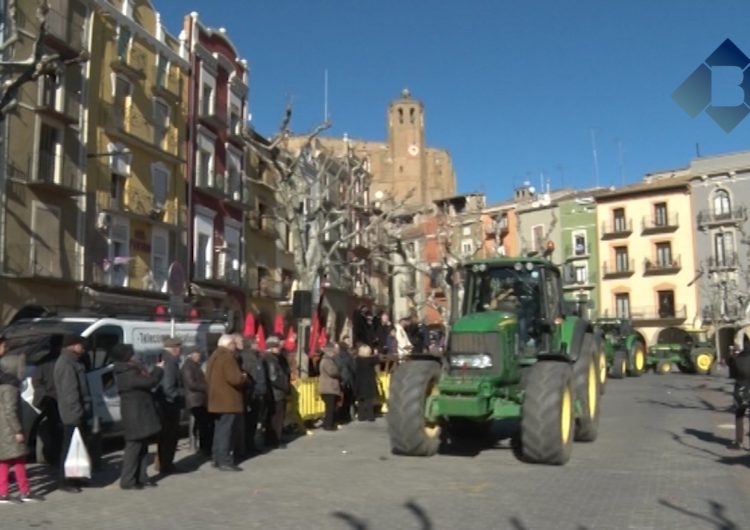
{"points": [[578, 284], [644, 316], [670, 265], [212, 116], [211, 183], [618, 230], [579, 252], [659, 225], [38, 261], [54, 173], [132, 64], [711, 218], [729, 314], [497, 226], [61, 32], [724, 263], [618, 270], [168, 85], [129, 125]]}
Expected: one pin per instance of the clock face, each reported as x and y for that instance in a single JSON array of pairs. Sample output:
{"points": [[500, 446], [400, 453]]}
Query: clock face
{"points": [[413, 150]]}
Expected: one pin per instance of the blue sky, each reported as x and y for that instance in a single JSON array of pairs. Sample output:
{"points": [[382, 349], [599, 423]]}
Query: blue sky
{"points": [[512, 89]]}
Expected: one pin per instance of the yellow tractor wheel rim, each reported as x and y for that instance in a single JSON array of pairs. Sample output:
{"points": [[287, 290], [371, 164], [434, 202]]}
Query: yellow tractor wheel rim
{"points": [[593, 391], [665, 368], [703, 361], [432, 430], [640, 359], [602, 368], [624, 365], [566, 411]]}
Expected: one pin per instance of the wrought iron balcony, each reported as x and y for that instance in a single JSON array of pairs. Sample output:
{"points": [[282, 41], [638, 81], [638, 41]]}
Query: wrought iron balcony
{"points": [[619, 229], [658, 314], [53, 172], [130, 125], [729, 261], [36, 260], [730, 313], [669, 265], [659, 225], [710, 218], [621, 269]]}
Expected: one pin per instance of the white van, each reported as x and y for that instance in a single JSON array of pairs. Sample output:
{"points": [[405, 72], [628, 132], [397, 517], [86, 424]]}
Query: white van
{"points": [[33, 337]]}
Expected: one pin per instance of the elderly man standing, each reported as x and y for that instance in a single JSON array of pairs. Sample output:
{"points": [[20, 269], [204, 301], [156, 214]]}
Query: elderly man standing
{"points": [[196, 400], [226, 382], [279, 380], [172, 403], [73, 399]]}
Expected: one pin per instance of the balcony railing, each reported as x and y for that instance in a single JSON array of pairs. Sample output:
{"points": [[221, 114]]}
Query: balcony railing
{"points": [[731, 313], [130, 122], [578, 283], [655, 225], [619, 229], [132, 63], [618, 269], [656, 313], [578, 251], [726, 262], [710, 217], [37, 259], [668, 265], [59, 25]]}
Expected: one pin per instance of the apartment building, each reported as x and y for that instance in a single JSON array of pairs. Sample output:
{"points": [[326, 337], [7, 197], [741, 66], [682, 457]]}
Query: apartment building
{"points": [[137, 107], [499, 227], [646, 254]]}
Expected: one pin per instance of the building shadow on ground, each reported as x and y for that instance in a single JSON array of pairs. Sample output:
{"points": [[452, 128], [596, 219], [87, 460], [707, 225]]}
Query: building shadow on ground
{"points": [[468, 440], [702, 404], [417, 514], [717, 516], [738, 458]]}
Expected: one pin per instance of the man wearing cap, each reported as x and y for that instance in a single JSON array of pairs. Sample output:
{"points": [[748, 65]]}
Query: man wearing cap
{"points": [[73, 399], [172, 402]]}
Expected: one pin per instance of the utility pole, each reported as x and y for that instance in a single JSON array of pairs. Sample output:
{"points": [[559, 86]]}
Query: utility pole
{"points": [[596, 157]]}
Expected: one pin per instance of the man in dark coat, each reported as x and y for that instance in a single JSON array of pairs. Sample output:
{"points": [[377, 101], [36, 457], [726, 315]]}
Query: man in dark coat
{"points": [[45, 399], [345, 364], [196, 400], [383, 331], [365, 383], [140, 421], [250, 363], [739, 370], [172, 403], [73, 400], [279, 388]]}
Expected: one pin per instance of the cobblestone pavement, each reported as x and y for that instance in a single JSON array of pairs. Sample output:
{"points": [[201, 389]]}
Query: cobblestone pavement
{"points": [[660, 463]]}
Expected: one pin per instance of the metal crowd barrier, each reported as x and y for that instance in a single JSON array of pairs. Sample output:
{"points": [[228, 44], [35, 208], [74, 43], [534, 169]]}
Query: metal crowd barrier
{"points": [[310, 405]]}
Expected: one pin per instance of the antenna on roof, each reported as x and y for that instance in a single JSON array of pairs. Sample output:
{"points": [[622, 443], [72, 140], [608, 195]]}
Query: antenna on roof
{"points": [[596, 158], [325, 95], [621, 161]]}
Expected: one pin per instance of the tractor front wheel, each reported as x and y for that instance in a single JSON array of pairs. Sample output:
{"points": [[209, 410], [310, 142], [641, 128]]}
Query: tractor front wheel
{"points": [[702, 361], [547, 422], [619, 365], [586, 381], [637, 359], [663, 368], [411, 384]]}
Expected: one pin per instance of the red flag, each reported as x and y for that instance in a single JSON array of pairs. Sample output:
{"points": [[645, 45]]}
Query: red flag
{"points": [[249, 330], [322, 338], [278, 325], [290, 343], [261, 338], [314, 330]]}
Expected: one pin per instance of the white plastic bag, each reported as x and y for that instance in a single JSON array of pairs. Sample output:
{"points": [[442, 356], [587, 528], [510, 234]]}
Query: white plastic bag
{"points": [[77, 461]]}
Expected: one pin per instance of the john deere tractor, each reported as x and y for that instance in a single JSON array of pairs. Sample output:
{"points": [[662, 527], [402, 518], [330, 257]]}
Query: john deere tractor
{"points": [[624, 349], [688, 349], [513, 353]]}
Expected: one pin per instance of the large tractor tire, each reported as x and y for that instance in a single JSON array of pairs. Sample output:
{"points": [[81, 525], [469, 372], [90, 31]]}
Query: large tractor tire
{"points": [[663, 368], [586, 383], [702, 360], [637, 359], [411, 384], [547, 419], [619, 365]]}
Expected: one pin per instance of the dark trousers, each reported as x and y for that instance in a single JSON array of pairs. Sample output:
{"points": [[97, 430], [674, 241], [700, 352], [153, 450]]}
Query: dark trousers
{"points": [[329, 419], [170, 433], [252, 416], [134, 463], [275, 421], [347, 400], [67, 436], [223, 431], [51, 431], [366, 409], [204, 424]]}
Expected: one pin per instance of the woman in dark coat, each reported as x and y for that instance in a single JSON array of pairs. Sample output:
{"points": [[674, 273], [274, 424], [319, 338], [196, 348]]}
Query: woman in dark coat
{"points": [[365, 383], [140, 420]]}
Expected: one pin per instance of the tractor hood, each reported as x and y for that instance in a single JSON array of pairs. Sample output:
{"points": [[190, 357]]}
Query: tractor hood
{"points": [[485, 322]]}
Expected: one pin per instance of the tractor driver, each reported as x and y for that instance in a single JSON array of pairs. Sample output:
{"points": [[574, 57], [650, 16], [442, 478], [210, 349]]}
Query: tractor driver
{"points": [[507, 299]]}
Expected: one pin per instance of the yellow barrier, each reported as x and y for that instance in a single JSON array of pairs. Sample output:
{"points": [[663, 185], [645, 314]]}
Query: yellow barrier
{"points": [[310, 405]]}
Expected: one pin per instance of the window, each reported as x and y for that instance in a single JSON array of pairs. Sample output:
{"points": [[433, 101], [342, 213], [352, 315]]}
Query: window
{"points": [[45, 242], [162, 69], [411, 115], [160, 259], [582, 274], [116, 191], [664, 254], [123, 42], [622, 305], [159, 185], [235, 114], [467, 247], [660, 214], [622, 263], [724, 248], [666, 304], [204, 246], [50, 154], [234, 176], [722, 203], [205, 162], [51, 88], [161, 121], [232, 251], [619, 221], [537, 237], [579, 244], [119, 259], [123, 91], [401, 116]]}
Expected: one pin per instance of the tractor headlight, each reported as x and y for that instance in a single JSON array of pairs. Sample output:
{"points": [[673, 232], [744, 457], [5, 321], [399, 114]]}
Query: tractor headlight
{"points": [[476, 361]]}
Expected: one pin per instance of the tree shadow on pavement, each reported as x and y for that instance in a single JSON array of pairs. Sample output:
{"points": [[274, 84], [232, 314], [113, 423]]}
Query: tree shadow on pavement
{"points": [[411, 506], [45, 479], [741, 459], [707, 436], [702, 404], [517, 524], [717, 517]]}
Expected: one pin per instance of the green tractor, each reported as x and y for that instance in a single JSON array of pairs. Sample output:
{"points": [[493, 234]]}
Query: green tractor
{"points": [[514, 353], [624, 349], [688, 349]]}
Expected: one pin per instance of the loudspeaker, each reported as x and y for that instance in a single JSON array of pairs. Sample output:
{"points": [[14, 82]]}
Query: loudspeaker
{"points": [[302, 304]]}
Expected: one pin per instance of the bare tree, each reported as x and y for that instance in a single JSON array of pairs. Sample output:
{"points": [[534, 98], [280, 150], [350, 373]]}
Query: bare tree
{"points": [[40, 63]]}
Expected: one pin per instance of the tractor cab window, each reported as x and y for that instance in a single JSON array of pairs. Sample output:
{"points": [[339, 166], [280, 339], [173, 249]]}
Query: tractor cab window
{"points": [[502, 289]]}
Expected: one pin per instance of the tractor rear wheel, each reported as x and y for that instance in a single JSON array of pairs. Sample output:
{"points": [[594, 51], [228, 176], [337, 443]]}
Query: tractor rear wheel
{"points": [[586, 381], [637, 359], [547, 423], [702, 359], [619, 365], [663, 368], [411, 384]]}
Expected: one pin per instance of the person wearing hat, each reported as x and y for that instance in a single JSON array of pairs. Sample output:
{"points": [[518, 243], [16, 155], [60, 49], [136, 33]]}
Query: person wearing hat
{"points": [[329, 386], [279, 380], [172, 394], [73, 399], [140, 421]]}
